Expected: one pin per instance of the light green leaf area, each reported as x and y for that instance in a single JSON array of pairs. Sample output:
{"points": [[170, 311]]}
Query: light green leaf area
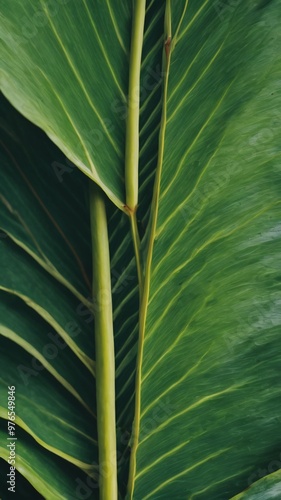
{"points": [[43, 206], [51, 415], [209, 382], [267, 488], [48, 474], [64, 66]]}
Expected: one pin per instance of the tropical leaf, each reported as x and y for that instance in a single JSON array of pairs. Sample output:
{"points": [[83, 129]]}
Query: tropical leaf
{"points": [[54, 477], [40, 224], [20, 324], [46, 343], [91, 134], [205, 384], [207, 406], [68, 430], [31, 264], [84, 87]]}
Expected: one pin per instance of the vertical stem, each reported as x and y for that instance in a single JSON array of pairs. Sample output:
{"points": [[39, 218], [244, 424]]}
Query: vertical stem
{"points": [[154, 215], [132, 132], [105, 360]]}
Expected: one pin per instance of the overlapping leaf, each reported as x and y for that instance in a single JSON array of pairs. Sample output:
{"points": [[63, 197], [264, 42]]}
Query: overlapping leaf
{"points": [[46, 341], [52, 476], [52, 229], [68, 427], [213, 317], [125, 292], [64, 65]]}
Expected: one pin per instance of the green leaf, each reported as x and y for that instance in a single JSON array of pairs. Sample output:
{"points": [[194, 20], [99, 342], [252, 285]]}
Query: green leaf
{"points": [[207, 405], [64, 66], [68, 430], [46, 328], [23, 277], [48, 350], [39, 223], [207, 393], [267, 488], [50, 475]]}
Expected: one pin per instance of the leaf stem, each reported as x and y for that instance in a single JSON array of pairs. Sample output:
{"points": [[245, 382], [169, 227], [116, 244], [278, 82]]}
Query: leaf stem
{"points": [[104, 341], [137, 248], [132, 131], [154, 215]]}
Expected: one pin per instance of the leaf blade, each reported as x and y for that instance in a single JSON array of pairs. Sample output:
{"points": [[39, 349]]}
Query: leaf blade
{"points": [[189, 397], [93, 135]]}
